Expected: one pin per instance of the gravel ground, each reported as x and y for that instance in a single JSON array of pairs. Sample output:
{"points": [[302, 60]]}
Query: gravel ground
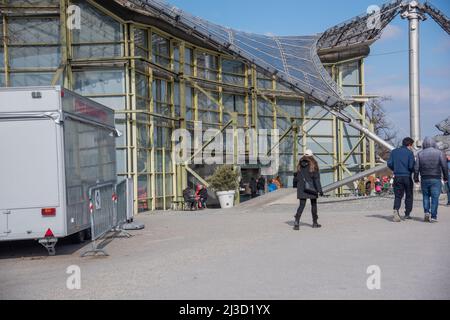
{"points": [[248, 253]]}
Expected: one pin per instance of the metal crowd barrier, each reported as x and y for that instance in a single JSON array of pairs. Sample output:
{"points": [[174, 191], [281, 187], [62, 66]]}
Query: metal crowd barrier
{"points": [[125, 198], [111, 207], [103, 214]]}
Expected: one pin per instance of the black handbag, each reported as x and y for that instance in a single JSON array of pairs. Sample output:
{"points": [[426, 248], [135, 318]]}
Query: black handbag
{"points": [[309, 187]]}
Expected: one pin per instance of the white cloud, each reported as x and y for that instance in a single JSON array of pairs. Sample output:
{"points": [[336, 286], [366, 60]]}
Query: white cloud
{"points": [[435, 106], [398, 92], [391, 32], [430, 95]]}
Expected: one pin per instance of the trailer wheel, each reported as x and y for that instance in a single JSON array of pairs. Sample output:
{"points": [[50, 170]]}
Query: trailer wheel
{"points": [[79, 237], [88, 234]]}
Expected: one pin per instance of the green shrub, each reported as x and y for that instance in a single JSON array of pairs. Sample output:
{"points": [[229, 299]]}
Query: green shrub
{"points": [[224, 179]]}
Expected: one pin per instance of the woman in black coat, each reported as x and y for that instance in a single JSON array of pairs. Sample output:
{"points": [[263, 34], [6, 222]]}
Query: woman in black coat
{"points": [[308, 187]]}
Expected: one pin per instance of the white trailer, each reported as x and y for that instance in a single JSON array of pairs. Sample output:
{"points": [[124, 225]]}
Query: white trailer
{"points": [[54, 146]]}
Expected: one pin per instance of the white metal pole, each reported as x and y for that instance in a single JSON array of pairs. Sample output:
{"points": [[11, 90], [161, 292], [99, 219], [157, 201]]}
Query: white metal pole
{"points": [[413, 14]]}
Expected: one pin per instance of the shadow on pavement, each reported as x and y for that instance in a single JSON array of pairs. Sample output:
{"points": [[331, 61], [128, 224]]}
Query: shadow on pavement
{"points": [[32, 249], [390, 218], [302, 224]]}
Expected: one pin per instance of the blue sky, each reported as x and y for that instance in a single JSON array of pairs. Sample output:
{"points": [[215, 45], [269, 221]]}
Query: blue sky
{"points": [[386, 67]]}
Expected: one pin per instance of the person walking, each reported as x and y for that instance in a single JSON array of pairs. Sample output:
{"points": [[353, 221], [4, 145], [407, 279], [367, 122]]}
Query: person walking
{"points": [[368, 187], [402, 162], [261, 186], [253, 187], [431, 165], [308, 187]]}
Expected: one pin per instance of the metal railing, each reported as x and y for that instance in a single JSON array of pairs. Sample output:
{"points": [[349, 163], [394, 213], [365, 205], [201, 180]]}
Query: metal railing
{"points": [[103, 214], [125, 202], [111, 207]]}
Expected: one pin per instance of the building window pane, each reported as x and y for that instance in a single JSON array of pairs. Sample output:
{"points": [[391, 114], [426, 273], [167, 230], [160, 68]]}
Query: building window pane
{"points": [[144, 193], [116, 103], [142, 88], [350, 73], [292, 107], [141, 39], [320, 145], [30, 79], [91, 51], [207, 66], [319, 128], [264, 82], [97, 27], [99, 82], [188, 61], [34, 57], [233, 72], [33, 30], [161, 50]]}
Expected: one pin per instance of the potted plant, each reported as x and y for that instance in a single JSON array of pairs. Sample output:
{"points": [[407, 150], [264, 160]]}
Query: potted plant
{"points": [[225, 182]]}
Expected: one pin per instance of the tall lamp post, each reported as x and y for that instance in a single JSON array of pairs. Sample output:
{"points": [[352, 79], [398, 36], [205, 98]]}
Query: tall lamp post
{"points": [[414, 14]]}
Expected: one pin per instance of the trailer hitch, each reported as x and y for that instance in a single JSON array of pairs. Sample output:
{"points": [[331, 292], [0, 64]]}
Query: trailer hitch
{"points": [[49, 244]]}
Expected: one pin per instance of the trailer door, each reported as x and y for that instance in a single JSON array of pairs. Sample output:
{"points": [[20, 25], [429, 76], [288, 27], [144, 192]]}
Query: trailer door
{"points": [[29, 176]]}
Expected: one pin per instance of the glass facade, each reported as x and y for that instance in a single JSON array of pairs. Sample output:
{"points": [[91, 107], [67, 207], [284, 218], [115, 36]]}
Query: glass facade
{"points": [[157, 83]]}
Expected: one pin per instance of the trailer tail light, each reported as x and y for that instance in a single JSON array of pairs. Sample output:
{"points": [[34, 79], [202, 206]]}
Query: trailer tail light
{"points": [[49, 234], [48, 212]]}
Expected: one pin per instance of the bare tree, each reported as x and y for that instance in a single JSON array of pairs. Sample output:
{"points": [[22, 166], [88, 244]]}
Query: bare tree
{"points": [[383, 127]]}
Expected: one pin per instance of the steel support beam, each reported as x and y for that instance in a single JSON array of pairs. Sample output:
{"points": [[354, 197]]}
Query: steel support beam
{"points": [[354, 178], [353, 123]]}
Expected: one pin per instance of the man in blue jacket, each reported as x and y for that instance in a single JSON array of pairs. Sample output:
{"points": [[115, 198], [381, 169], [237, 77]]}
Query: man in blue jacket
{"points": [[432, 168], [402, 164]]}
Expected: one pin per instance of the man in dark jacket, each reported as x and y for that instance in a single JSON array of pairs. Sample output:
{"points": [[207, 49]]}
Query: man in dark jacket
{"points": [[402, 164], [261, 186], [253, 187], [431, 165], [189, 198]]}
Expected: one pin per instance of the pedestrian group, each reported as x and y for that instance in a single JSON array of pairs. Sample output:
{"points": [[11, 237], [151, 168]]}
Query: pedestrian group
{"points": [[430, 167]]}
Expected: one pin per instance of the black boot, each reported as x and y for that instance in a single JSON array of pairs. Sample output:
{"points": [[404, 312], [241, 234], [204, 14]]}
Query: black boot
{"points": [[297, 225], [316, 225]]}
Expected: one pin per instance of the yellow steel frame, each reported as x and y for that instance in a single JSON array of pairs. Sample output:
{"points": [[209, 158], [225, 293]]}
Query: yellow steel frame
{"points": [[178, 173]]}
